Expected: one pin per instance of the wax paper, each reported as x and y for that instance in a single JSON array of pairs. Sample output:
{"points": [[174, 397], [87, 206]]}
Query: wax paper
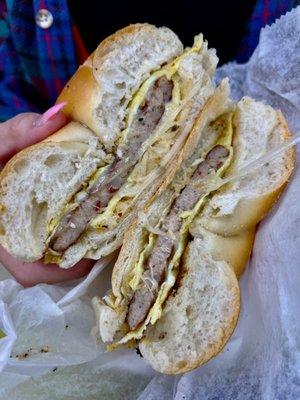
{"points": [[49, 353]]}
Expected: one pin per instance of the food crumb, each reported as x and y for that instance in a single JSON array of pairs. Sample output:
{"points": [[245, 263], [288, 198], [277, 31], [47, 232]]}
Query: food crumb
{"points": [[162, 335], [45, 349]]}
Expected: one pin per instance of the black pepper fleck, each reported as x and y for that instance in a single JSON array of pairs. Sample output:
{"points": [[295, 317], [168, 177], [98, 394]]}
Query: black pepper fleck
{"points": [[138, 352]]}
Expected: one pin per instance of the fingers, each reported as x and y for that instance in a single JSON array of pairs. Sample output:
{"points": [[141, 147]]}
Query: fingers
{"points": [[28, 128], [30, 274]]}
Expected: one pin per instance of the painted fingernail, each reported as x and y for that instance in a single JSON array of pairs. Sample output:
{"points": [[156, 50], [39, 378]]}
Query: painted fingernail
{"points": [[49, 114]]}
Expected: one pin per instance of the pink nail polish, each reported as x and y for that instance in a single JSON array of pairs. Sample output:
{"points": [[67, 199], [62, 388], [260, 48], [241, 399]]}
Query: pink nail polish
{"points": [[44, 118]]}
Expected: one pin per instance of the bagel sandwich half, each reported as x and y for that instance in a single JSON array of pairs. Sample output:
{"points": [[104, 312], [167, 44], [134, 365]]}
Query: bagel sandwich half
{"points": [[131, 107], [175, 291]]}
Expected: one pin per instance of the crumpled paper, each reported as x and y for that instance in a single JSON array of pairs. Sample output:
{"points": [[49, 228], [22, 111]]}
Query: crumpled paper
{"points": [[261, 361], [273, 72]]}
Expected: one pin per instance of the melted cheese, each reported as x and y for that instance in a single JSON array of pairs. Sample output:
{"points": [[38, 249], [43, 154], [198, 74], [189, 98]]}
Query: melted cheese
{"points": [[139, 267], [52, 257]]}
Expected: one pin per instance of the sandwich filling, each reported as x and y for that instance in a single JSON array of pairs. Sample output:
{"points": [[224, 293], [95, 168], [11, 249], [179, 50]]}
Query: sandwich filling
{"points": [[147, 118], [155, 267], [151, 116], [156, 270]]}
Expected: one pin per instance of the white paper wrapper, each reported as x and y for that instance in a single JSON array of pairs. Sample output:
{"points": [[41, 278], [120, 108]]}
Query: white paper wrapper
{"points": [[261, 361]]}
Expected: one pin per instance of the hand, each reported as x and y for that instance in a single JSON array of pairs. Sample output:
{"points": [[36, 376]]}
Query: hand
{"points": [[16, 134]]}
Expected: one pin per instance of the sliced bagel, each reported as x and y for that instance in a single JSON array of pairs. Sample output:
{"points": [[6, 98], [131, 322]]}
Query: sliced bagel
{"points": [[199, 316], [242, 204], [235, 250], [36, 184], [100, 91]]}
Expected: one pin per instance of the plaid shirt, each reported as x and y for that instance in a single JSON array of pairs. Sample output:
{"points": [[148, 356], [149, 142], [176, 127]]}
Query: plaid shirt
{"points": [[35, 63]]}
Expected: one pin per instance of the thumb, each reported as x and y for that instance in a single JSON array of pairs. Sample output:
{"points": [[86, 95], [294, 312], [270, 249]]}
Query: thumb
{"points": [[28, 128]]}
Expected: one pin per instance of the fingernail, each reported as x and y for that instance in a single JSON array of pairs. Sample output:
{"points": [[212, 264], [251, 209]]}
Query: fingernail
{"points": [[44, 118]]}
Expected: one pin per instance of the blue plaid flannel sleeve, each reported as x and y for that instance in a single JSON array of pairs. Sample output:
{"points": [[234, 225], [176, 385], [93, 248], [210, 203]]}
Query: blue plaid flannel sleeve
{"points": [[35, 63]]}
